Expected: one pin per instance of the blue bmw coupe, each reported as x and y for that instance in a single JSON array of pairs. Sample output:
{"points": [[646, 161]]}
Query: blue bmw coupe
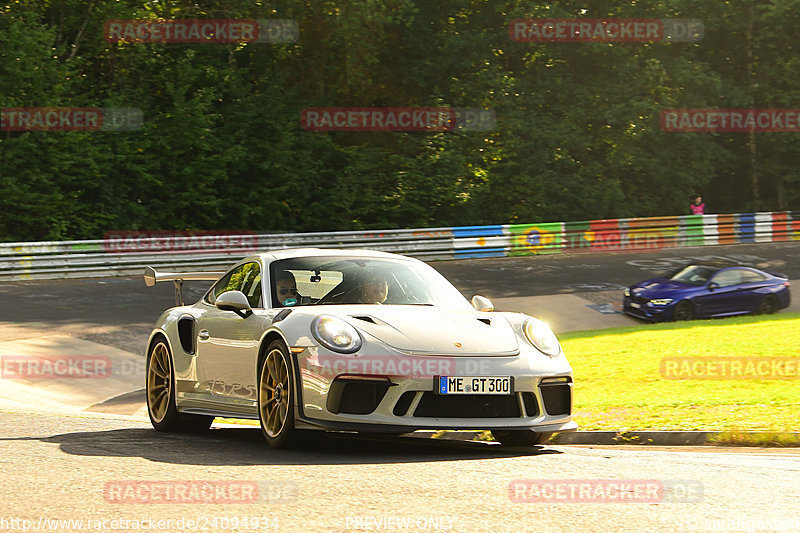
{"points": [[704, 291]]}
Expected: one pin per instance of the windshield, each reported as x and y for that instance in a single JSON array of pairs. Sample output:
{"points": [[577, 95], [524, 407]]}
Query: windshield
{"points": [[694, 274], [360, 280]]}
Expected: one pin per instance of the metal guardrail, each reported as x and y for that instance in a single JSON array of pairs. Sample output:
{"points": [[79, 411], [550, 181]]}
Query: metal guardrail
{"points": [[127, 253], [121, 256]]}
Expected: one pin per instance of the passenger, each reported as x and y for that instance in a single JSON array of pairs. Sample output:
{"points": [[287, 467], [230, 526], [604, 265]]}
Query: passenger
{"points": [[374, 290]]}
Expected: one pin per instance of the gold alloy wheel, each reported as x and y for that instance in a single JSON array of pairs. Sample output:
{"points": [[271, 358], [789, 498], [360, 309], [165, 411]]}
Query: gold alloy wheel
{"points": [[159, 383], [274, 394]]}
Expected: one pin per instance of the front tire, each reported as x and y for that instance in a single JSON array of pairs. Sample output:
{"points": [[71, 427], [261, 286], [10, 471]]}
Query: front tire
{"points": [[160, 393], [683, 311], [524, 437], [276, 398]]}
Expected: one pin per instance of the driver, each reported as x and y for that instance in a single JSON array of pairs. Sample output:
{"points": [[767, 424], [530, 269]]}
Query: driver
{"points": [[286, 289], [374, 290]]}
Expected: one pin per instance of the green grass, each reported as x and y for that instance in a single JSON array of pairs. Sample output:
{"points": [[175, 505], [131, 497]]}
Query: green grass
{"points": [[618, 382]]}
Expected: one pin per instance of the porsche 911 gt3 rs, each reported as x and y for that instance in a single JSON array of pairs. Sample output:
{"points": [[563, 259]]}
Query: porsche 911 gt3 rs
{"points": [[351, 340]]}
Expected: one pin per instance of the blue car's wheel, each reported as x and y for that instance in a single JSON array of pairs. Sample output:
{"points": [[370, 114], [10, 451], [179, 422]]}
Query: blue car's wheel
{"points": [[768, 305], [683, 311]]}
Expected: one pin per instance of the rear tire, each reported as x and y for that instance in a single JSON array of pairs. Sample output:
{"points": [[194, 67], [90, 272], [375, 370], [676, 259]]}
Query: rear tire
{"points": [[520, 437], [768, 305], [160, 393], [683, 310]]}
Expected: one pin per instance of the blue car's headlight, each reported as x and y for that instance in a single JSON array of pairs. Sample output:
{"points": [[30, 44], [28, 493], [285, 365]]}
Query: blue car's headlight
{"points": [[336, 334], [542, 337], [627, 292], [662, 301]]}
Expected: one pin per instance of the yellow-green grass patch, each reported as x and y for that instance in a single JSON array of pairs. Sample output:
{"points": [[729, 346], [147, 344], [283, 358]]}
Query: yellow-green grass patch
{"points": [[619, 382]]}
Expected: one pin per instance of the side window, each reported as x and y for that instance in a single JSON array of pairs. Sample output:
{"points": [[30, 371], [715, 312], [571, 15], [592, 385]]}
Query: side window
{"points": [[245, 278], [748, 276], [252, 285], [726, 278]]}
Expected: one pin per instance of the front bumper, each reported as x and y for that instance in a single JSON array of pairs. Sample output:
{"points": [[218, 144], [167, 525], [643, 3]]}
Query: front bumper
{"points": [[358, 398], [644, 309]]}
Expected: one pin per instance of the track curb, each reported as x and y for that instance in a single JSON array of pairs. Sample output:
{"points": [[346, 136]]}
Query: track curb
{"points": [[655, 438]]}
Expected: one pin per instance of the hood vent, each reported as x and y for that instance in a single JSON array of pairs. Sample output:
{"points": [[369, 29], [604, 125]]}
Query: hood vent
{"points": [[487, 321]]}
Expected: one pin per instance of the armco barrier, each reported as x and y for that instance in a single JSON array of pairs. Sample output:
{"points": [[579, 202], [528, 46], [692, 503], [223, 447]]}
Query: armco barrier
{"points": [[480, 241], [127, 253]]}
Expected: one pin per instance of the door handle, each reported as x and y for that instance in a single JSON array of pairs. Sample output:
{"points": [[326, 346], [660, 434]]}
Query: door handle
{"points": [[203, 335]]}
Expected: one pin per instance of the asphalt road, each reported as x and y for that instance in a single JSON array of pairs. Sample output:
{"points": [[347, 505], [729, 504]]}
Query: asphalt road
{"points": [[96, 470], [100, 467]]}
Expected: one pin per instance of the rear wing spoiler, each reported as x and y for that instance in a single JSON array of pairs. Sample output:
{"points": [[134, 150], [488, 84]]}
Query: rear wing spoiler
{"points": [[151, 277]]}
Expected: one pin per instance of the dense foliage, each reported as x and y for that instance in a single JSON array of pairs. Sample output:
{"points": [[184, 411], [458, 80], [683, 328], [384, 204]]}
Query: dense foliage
{"points": [[221, 147]]}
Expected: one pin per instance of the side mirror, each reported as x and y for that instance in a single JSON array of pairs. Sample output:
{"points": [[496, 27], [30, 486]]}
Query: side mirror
{"points": [[481, 303], [234, 301], [713, 285]]}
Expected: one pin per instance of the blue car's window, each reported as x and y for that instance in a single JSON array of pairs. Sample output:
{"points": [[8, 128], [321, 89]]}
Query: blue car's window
{"points": [[694, 274], [726, 278], [748, 276], [360, 280]]}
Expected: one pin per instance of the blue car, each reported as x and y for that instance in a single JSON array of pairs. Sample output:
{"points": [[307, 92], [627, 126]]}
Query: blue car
{"points": [[704, 291]]}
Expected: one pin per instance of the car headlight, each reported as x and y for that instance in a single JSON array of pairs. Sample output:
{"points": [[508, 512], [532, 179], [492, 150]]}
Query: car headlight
{"points": [[663, 301], [336, 334], [542, 337], [627, 292]]}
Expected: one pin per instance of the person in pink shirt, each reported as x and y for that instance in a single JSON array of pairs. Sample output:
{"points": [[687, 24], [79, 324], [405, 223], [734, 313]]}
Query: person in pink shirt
{"points": [[698, 207]]}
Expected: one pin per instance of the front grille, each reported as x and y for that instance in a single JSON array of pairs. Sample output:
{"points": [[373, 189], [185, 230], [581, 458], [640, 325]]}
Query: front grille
{"points": [[434, 405], [637, 312], [402, 405], [639, 300], [531, 405], [356, 397], [557, 398]]}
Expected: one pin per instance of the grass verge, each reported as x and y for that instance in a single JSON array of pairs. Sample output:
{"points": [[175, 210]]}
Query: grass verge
{"points": [[620, 384]]}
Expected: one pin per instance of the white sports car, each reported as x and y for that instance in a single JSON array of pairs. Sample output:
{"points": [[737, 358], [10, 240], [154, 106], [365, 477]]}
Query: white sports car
{"points": [[351, 340]]}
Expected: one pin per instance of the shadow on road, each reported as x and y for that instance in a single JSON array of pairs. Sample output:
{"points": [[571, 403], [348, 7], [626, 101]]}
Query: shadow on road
{"points": [[235, 447]]}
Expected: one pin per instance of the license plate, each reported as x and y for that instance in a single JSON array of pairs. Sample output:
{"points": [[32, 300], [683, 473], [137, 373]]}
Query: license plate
{"points": [[637, 306], [475, 385]]}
